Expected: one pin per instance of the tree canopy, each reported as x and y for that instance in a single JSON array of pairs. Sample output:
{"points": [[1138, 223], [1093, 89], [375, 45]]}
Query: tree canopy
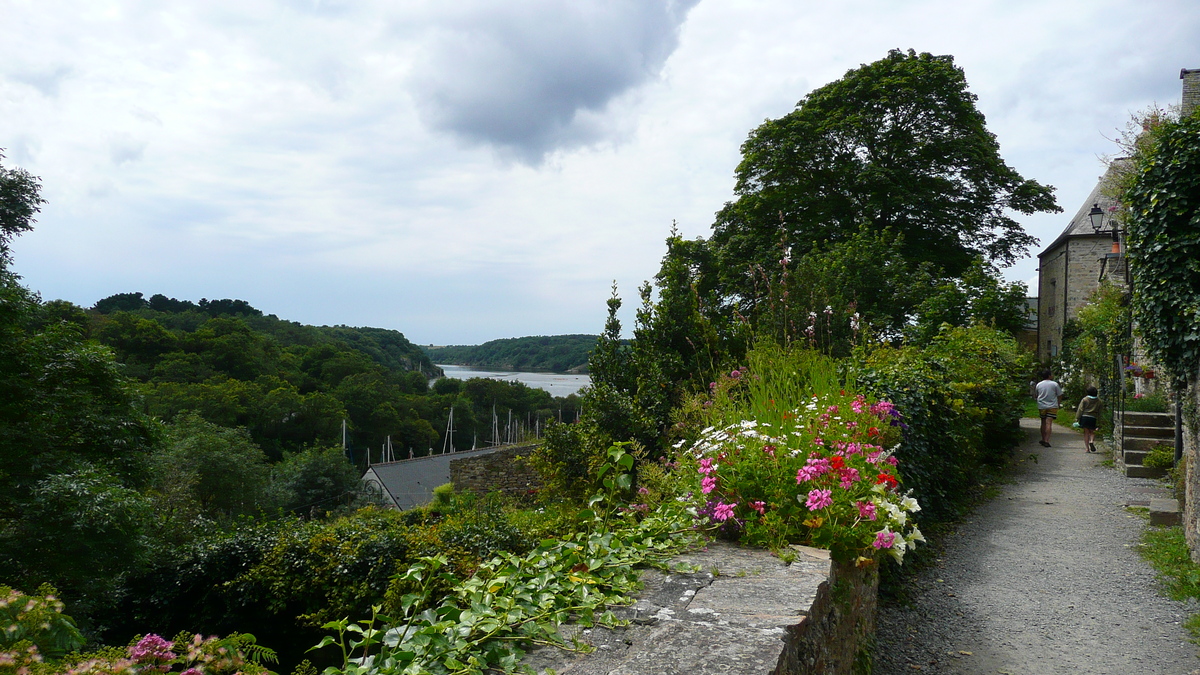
{"points": [[897, 144]]}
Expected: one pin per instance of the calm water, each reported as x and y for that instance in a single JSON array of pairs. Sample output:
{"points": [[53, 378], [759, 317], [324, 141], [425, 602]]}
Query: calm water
{"points": [[558, 384]]}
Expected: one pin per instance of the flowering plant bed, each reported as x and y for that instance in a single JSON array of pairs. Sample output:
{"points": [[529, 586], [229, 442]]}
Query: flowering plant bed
{"points": [[822, 473]]}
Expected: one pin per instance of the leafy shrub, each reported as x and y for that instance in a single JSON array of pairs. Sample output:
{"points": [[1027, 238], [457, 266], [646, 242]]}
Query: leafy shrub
{"points": [[961, 398], [38, 621], [791, 458], [1155, 402], [1160, 457]]}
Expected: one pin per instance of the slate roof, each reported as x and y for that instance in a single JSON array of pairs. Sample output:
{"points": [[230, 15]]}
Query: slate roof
{"points": [[409, 483], [1081, 225]]}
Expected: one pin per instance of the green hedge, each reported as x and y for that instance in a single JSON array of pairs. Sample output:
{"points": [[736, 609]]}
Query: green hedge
{"points": [[961, 397]]}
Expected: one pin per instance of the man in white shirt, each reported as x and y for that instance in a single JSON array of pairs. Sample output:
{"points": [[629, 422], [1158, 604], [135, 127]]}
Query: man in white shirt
{"points": [[1049, 396]]}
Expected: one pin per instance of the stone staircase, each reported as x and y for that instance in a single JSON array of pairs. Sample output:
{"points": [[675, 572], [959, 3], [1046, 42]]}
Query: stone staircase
{"points": [[1142, 431]]}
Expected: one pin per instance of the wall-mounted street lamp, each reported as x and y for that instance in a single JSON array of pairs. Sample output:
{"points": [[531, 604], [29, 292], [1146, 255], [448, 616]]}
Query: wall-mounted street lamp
{"points": [[1096, 216]]}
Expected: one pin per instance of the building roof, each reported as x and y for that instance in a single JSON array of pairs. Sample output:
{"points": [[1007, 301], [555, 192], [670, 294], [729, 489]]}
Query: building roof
{"points": [[409, 483], [1081, 225]]}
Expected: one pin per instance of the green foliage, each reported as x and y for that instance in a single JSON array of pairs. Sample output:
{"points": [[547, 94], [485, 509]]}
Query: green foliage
{"points": [[20, 201], [1163, 230], [1166, 549], [1161, 456], [1093, 341], [227, 472], [979, 297], [512, 601], [314, 480], [553, 353], [961, 398], [37, 619], [1155, 402], [896, 144], [788, 457]]}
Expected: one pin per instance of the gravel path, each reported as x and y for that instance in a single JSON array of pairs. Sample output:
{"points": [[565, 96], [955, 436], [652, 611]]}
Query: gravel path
{"points": [[1044, 579]]}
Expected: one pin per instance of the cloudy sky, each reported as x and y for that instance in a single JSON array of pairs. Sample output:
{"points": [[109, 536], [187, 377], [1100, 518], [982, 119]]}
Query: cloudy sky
{"points": [[470, 170]]}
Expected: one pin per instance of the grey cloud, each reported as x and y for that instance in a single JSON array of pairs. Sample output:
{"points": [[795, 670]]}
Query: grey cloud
{"points": [[124, 148], [46, 79], [523, 76]]}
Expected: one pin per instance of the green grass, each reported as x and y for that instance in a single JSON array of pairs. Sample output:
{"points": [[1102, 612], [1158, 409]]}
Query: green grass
{"points": [[1165, 548], [1031, 409]]}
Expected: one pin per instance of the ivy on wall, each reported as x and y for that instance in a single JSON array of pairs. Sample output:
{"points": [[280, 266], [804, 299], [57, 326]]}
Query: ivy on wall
{"points": [[1163, 230]]}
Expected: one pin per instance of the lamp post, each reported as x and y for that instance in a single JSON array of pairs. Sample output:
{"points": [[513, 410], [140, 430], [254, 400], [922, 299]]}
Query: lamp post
{"points": [[1096, 216]]}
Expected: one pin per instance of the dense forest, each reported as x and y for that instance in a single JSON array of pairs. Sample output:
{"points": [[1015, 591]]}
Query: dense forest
{"points": [[291, 385], [553, 353]]}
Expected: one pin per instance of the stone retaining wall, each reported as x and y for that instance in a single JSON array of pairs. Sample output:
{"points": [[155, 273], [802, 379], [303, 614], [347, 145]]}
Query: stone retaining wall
{"points": [[504, 470], [745, 611]]}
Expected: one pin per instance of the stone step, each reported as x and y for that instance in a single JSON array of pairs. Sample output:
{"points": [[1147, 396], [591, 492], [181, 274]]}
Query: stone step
{"points": [[1134, 457], [1137, 471], [1150, 432], [1144, 444], [1145, 419], [1164, 512]]}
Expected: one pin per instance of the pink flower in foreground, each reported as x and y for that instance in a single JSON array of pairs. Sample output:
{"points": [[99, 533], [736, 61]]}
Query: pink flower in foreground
{"points": [[848, 475], [884, 539], [723, 511], [866, 510], [708, 484], [152, 648], [819, 499], [707, 466]]}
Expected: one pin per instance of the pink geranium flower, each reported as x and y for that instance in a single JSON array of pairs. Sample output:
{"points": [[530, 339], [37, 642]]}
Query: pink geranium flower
{"points": [[866, 510], [723, 511], [761, 507], [708, 484], [884, 539], [819, 499]]}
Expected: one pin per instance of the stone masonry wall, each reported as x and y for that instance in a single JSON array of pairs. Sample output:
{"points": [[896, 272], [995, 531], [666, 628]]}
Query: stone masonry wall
{"points": [[1191, 90], [743, 611], [1191, 455], [504, 470]]}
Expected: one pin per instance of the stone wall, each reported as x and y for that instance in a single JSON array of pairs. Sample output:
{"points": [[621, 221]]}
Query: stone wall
{"points": [[504, 470], [1191, 455], [743, 611], [1069, 276]]}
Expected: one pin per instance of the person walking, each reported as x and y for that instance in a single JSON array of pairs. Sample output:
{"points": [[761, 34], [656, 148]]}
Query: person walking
{"points": [[1049, 396], [1085, 416]]}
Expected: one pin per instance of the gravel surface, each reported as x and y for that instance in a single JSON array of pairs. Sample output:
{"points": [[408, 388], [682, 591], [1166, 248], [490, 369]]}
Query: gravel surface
{"points": [[1043, 579]]}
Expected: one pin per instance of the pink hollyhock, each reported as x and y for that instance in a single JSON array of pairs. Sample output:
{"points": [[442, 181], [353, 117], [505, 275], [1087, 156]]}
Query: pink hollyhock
{"points": [[866, 510], [884, 539], [708, 484], [819, 499], [723, 511]]}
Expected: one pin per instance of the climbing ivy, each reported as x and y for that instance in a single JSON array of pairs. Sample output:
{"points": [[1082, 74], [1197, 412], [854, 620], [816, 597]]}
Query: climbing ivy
{"points": [[1163, 229]]}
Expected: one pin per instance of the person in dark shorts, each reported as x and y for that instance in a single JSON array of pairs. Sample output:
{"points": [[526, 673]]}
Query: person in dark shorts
{"points": [[1049, 396], [1085, 416]]}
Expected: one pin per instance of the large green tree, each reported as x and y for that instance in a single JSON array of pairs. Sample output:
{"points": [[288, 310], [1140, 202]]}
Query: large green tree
{"points": [[897, 144]]}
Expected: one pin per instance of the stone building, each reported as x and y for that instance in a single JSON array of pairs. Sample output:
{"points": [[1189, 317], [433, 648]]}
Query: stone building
{"points": [[1071, 267]]}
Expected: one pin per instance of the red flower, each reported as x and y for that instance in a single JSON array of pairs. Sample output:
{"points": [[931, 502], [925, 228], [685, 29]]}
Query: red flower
{"points": [[837, 462], [872, 432], [887, 478]]}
